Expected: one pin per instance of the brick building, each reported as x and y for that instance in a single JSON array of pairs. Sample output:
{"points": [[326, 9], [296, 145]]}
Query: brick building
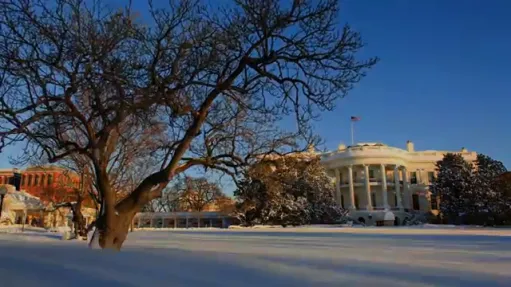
{"points": [[40, 181]]}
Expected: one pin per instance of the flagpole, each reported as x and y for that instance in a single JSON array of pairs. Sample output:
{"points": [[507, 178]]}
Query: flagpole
{"points": [[352, 138]]}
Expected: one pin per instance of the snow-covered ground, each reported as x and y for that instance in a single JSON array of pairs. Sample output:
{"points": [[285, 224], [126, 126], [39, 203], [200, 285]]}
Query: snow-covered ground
{"points": [[424, 256]]}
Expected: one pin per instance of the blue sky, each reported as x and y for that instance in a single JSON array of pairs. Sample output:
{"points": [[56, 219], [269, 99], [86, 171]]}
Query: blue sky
{"points": [[443, 78], [442, 81]]}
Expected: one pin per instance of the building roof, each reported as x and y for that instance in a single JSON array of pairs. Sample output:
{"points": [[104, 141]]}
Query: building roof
{"points": [[19, 200]]}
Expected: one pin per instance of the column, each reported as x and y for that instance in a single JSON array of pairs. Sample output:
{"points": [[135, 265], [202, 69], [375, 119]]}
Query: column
{"points": [[396, 184], [162, 222], [351, 188], [406, 189], [338, 187], [175, 221], [138, 222], [367, 188], [41, 221], [210, 223], [384, 187], [187, 221]]}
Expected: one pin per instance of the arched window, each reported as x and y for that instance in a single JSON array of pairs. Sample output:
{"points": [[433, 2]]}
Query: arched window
{"points": [[29, 183]]}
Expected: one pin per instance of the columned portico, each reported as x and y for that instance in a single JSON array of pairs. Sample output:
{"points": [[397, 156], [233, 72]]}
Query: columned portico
{"points": [[384, 185], [383, 174], [399, 202], [367, 188], [351, 188], [406, 189], [338, 187]]}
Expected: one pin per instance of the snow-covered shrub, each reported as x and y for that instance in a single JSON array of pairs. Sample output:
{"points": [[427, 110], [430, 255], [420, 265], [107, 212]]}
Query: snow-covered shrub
{"points": [[293, 192]]}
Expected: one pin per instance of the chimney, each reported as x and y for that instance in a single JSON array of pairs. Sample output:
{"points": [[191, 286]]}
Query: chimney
{"points": [[409, 146], [464, 149], [341, 147]]}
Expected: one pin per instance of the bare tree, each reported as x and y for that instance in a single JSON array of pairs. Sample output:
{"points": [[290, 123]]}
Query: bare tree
{"points": [[196, 194], [216, 82], [188, 194]]}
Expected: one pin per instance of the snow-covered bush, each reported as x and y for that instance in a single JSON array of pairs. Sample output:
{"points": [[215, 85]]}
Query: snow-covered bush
{"points": [[291, 192]]}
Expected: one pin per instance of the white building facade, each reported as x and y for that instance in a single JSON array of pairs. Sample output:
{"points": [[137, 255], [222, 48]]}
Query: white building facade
{"points": [[383, 185]]}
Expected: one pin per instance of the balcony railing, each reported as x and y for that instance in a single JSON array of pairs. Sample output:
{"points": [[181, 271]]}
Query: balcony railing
{"points": [[390, 180]]}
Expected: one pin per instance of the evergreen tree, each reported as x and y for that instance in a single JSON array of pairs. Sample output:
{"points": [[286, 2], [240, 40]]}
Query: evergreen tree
{"points": [[291, 191], [473, 194], [252, 201], [455, 186], [315, 185], [492, 196]]}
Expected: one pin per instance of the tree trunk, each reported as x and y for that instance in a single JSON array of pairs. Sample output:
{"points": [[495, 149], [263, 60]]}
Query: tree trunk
{"points": [[78, 220], [113, 223], [112, 234]]}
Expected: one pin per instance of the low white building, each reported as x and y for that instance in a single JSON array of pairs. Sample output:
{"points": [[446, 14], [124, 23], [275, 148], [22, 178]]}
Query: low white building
{"points": [[182, 220], [20, 207], [379, 183]]}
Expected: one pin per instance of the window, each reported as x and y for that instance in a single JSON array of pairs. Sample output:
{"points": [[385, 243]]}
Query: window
{"points": [[50, 179], [413, 177], [354, 176], [356, 202], [29, 180], [36, 180], [342, 201], [431, 176], [371, 173], [373, 199], [1, 179], [22, 180], [42, 179]]}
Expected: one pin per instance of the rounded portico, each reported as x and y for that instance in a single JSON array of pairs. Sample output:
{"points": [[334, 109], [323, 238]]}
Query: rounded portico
{"points": [[373, 180], [369, 176]]}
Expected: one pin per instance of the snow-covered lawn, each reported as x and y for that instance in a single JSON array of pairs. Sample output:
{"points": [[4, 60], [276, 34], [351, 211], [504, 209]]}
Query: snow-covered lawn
{"points": [[425, 256]]}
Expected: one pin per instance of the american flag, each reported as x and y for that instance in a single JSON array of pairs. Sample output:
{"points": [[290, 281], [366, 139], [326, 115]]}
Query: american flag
{"points": [[355, 119]]}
